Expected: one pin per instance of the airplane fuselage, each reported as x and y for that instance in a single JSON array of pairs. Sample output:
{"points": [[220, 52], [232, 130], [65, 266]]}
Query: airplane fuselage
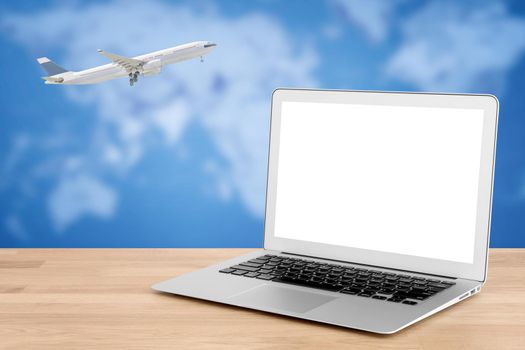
{"points": [[153, 63]]}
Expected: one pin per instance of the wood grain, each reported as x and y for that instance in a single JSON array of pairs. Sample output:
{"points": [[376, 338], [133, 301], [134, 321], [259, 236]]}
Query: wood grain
{"points": [[101, 298]]}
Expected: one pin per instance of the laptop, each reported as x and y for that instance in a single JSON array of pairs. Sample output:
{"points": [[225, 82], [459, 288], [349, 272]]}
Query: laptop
{"points": [[378, 210]]}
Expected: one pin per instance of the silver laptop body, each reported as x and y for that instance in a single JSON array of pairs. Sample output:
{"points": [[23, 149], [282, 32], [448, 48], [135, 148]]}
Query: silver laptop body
{"points": [[389, 192]]}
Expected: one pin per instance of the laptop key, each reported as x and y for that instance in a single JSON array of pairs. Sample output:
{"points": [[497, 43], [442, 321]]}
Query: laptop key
{"points": [[250, 264], [239, 272], [392, 279], [364, 294], [405, 280], [330, 286], [410, 296], [394, 300], [268, 267], [251, 274], [351, 292], [433, 280], [265, 277], [370, 291], [257, 261], [331, 281], [438, 285], [228, 270], [245, 268], [291, 275]]}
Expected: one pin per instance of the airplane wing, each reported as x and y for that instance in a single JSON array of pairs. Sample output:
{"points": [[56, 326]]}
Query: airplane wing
{"points": [[53, 80], [127, 63]]}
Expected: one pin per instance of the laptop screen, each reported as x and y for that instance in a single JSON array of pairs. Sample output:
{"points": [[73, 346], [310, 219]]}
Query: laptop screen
{"points": [[386, 178]]}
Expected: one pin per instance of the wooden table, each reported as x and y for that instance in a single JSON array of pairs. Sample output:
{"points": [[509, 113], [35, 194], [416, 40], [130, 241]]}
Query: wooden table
{"points": [[100, 298]]}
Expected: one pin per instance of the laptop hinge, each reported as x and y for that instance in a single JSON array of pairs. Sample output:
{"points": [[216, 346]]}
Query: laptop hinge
{"points": [[360, 264]]}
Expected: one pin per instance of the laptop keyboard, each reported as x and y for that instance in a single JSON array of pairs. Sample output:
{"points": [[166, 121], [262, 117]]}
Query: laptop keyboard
{"points": [[367, 283]]}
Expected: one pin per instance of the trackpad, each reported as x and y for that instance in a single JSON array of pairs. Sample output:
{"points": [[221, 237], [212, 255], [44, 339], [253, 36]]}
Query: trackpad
{"points": [[268, 296]]}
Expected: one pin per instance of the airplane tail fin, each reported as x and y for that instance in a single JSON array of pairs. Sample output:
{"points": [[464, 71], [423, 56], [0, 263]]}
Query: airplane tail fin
{"points": [[50, 67]]}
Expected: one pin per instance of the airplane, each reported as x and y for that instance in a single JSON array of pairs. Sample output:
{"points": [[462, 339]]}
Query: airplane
{"points": [[148, 64]]}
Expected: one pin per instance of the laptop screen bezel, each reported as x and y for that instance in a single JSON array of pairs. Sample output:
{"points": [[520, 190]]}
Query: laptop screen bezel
{"points": [[475, 271]]}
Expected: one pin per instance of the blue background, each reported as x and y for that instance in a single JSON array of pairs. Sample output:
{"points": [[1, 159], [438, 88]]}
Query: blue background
{"points": [[179, 159]]}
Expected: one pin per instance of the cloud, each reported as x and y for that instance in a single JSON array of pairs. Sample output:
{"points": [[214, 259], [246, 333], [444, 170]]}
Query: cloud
{"points": [[228, 95], [172, 127], [373, 17], [454, 46], [77, 196]]}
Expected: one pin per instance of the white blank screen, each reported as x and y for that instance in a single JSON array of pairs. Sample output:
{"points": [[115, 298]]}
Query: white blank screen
{"points": [[386, 178]]}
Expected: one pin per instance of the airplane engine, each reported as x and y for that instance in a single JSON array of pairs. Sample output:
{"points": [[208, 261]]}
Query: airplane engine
{"points": [[152, 67]]}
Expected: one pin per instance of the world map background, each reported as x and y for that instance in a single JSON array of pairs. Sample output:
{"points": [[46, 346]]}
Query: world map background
{"points": [[179, 160]]}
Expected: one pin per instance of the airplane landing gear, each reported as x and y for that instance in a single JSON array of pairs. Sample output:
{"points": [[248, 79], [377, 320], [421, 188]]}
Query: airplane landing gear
{"points": [[133, 78]]}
